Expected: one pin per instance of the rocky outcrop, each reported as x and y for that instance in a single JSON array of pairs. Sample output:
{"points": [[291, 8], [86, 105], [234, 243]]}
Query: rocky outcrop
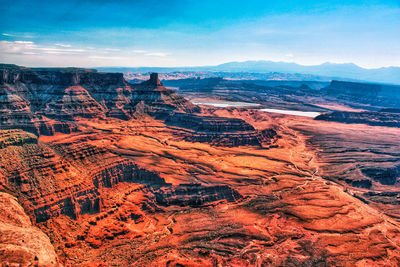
{"points": [[22, 244], [13, 74], [219, 131], [386, 176], [360, 182], [125, 171], [66, 179], [84, 199], [53, 179], [16, 138], [135, 193], [374, 118], [354, 89], [16, 112], [73, 202], [225, 139], [361, 95], [76, 102], [390, 198], [209, 123], [195, 195], [162, 101], [45, 101]]}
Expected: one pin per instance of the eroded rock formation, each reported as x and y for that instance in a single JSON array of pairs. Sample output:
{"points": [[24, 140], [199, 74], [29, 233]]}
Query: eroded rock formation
{"points": [[374, 118], [119, 184], [220, 131], [66, 178], [44, 101], [21, 243]]}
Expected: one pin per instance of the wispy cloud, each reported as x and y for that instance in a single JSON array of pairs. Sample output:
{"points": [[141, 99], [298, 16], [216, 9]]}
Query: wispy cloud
{"points": [[63, 45], [16, 47], [139, 51], [105, 57], [52, 49], [23, 42], [18, 35], [31, 48], [151, 54], [157, 54], [24, 47], [112, 49]]}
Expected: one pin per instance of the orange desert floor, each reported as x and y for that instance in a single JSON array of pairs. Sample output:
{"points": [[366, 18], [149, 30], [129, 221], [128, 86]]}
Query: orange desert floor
{"points": [[288, 214]]}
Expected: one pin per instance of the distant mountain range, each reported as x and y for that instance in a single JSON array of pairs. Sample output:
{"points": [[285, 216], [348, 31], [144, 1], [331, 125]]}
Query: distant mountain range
{"points": [[347, 71]]}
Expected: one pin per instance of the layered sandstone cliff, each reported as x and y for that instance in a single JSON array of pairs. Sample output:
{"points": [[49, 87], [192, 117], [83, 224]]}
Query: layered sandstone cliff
{"points": [[375, 118], [44, 101], [66, 179], [143, 177]]}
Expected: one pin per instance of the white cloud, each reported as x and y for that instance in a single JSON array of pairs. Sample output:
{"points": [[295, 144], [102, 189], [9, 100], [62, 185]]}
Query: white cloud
{"points": [[16, 47], [53, 49], [157, 54], [289, 55], [30, 48], [64, 45], [112, 49], [19, 35], [104, 57], [25, 52], [139, 51], [23, 42]]}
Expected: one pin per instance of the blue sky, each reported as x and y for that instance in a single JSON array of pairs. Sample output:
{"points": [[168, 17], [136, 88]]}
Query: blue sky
{"points": [[92, 33]]}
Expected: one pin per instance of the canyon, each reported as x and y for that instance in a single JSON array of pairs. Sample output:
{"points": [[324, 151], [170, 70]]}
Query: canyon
{"points": [[97, 171]]}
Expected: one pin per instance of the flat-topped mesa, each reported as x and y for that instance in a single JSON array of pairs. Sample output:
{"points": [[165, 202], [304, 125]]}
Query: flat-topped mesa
{"points": [[58, 76], [35, 99], [374, 118], [209, 123], [354, 88], [220, 131]]}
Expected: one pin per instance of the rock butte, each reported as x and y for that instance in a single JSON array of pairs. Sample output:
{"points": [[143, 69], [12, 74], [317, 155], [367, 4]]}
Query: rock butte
{"points": [[120, 174]]}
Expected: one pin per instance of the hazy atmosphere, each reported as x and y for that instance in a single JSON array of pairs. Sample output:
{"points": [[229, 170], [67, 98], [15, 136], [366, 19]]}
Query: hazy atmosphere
{"points": [[192, 33]]}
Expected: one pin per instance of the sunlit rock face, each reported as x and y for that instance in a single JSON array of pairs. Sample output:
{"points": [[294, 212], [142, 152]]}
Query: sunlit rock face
{"points": [[44, 101], [21, 243], [47, 101], [119, 174]]}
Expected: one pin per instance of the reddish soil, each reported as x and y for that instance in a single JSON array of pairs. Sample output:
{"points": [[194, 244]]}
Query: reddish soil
{"points": [[287, 213]]}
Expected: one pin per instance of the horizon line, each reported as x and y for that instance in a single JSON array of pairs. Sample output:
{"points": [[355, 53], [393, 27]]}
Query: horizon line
{"points": [[202, 66]]}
